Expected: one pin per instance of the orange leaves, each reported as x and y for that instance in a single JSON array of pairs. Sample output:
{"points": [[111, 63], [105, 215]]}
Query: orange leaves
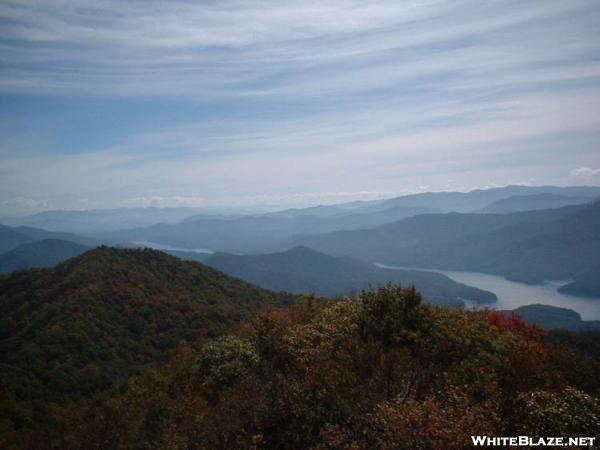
{"points": [[510, 322], [381, 371], [434, 423]]}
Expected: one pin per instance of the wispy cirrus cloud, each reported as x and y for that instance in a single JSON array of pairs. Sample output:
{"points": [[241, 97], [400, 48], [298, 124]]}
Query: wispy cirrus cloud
{"points": [[243, 101], [235, 47]]}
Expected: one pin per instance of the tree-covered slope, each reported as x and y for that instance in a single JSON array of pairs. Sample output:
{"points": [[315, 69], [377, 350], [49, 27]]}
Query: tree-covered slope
{"points": [[303, 270], [75, 329], [382, 371]]}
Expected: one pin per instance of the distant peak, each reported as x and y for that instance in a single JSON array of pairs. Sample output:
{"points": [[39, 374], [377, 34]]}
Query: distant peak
{"points": [[303, 249]]}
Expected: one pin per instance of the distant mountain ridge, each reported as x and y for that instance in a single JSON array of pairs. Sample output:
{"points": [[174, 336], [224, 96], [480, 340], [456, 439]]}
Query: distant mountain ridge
{"points": [[315, 219], [44, 253], [531, 203], [100, 220], [12, 237], [418, 237], [272, 232], [480, 198], [256, 233], [532, 246]]}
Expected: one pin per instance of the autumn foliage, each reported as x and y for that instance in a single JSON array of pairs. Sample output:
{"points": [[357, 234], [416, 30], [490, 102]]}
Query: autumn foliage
{"points": [[380, 371]]}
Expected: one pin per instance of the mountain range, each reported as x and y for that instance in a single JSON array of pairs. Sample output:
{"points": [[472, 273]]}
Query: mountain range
{"points": [[12, 237], [269, 232], [44, 253], [531, 246], [99, 220], [256, 233], [478, 199], [524, 233], [532, 203]]}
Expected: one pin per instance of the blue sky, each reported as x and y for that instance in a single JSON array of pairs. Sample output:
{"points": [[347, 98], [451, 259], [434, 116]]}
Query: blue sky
{"points": [[268, 103]]}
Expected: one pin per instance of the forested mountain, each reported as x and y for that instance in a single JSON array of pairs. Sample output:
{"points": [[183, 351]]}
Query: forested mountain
{"points": [[77, 328], [303, 270], [44, 253], [532, 246]]}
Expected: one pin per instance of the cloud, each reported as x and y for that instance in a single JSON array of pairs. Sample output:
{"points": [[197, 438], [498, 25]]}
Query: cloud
{"points": [[160, 201], [21, 206], [267, 200], [271, 49], [585, 172], [245, 102]]}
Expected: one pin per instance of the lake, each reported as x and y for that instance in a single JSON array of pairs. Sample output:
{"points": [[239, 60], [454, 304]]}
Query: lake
{"points": [[156, 246], [512, 294]]}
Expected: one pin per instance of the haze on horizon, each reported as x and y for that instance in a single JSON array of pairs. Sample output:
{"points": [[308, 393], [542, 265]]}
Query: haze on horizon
{"points": [[259, 104]]}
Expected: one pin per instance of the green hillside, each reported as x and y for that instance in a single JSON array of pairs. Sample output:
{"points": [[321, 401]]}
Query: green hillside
{"points": [[75, 329]]}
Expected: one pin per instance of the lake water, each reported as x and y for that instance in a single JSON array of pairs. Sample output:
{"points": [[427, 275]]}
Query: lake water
{"points": [[512, 294], [156, 246]]}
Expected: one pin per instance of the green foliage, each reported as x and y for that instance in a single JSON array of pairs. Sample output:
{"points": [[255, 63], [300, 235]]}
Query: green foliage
{"points": [[569, 412], [223, 364], [390, 316], [77, 329]]}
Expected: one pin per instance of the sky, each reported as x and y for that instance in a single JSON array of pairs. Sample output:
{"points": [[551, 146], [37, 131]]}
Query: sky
{"points": [[262, 104]]}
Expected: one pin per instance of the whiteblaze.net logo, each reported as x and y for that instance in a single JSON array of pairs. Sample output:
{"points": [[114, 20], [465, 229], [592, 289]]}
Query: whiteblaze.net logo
{"points": [[527, 441]]}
